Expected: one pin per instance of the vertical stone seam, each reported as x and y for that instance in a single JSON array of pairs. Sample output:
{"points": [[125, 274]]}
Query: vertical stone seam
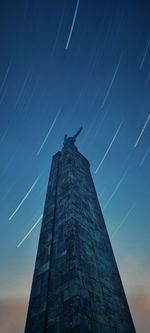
{"points": [[51, 250]]}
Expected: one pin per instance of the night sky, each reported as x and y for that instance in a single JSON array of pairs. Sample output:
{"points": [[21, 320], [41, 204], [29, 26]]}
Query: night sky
{"points": [[64, 64]]}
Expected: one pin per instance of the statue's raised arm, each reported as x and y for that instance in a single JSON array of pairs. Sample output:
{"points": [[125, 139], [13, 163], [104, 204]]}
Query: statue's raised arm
{"points": [[78, 132], [72, 139]]}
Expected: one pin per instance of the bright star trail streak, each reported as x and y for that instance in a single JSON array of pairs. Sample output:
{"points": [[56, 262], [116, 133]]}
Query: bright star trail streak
{"points": [[145, 54], [73, 23], [123, 221], [143, 129], [29, 232], [23, 200], [109, 147], [144, 157], [115, 190], [111, 84], [47, 135]]}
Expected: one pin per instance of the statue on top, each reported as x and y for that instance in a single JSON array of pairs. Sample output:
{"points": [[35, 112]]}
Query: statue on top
{"points": [[71, 139]]}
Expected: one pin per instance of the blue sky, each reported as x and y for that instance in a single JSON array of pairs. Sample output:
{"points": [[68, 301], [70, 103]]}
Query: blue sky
{"points": [[57, 74]]}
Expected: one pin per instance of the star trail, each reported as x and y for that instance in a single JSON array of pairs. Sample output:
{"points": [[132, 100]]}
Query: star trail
{"points": [[5, 78], [23, 200], [145, 156], [142, 131], [48, 133], [145, 54], [109, 147], [111, 84], [115, 190], [29, 232], [123, 221], [73, 23]]}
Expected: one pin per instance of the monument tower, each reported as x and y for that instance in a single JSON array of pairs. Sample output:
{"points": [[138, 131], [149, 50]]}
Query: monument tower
{"points": [[76, 285]]}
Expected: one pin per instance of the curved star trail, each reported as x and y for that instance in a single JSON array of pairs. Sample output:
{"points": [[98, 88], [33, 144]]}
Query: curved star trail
{"points": [[5, 77], [123, 221], [23, 200], [29, 232], [145, 156], [142, 131], [48, 133], [111, 84], [147, 79], [73, 23], [109, 147], [115, 190], [57, 34], [145, 54], [22, 90]]}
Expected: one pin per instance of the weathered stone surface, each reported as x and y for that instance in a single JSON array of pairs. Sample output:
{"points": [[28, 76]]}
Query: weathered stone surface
{"points": [[76, 285]]}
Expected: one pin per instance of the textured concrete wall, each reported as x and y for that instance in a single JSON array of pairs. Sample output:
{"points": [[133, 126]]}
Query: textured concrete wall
{"points": [[76, 284]]}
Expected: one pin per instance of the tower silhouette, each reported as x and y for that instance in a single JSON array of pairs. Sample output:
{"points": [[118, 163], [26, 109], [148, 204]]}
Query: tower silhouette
{"points": [[76, 285]]}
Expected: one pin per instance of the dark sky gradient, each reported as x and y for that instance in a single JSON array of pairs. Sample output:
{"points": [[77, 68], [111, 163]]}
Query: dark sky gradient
{"points": [[100, 81]]}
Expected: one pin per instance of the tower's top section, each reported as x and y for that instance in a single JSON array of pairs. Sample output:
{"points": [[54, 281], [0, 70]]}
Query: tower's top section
{"points": [[70, 140]]}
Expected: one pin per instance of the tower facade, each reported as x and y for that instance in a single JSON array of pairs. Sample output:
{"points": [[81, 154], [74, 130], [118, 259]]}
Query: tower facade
{"points": [[76, 285]]}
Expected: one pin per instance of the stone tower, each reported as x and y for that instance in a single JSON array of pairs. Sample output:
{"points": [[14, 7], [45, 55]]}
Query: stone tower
{"points": [[76, 285]]}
